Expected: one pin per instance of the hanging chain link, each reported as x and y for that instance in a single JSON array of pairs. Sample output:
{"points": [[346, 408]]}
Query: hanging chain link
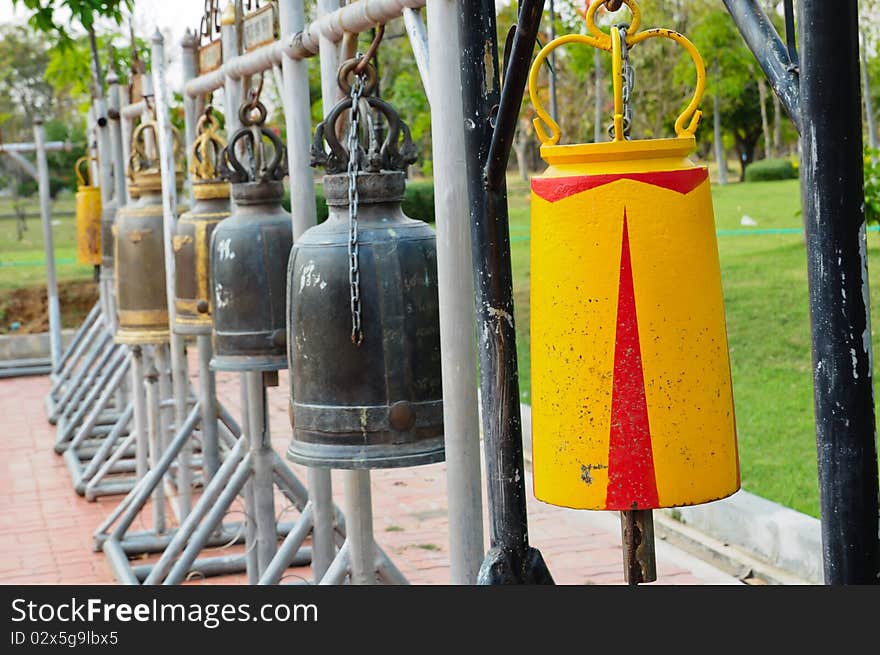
{"points": [[629, 80], [354, 275]]}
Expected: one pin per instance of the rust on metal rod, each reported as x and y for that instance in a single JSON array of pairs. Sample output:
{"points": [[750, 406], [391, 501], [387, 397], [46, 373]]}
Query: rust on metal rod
{"points": [[639, 560]]}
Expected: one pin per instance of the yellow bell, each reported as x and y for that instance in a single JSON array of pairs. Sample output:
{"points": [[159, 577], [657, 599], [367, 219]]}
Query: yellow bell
{"points": [[631, 387], [88, 215]]}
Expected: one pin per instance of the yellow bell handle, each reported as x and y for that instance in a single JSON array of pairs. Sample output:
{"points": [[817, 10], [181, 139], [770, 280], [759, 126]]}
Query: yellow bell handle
{"points": [[83, 177], [687, 122]]}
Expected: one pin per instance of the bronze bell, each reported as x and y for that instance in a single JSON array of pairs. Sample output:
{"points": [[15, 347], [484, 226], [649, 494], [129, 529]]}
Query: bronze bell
{"points": [[139, 247], [249, 252], [192, 295], [367, 395]]}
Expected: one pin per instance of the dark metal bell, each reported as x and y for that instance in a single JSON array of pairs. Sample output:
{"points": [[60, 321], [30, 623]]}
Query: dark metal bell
{"points": [[139, 250], [249, 253], [192, 298], [377, 404]]}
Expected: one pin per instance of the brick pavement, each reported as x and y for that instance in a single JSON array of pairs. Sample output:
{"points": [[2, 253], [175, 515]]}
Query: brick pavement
{"points": [[46, 529]]}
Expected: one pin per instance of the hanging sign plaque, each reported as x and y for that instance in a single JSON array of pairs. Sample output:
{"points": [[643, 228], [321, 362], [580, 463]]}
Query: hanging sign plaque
{"points": [[260, 28]]}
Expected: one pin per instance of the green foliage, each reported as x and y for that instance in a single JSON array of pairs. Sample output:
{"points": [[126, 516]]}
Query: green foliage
{"points": [[418, 202], [69, 69], [61, 162], [23, 91], [766, 170], [84, 12], [872, 186]]}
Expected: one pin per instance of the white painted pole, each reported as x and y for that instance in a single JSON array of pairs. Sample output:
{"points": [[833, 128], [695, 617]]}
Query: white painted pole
{"points": [[233, 92], [191, 106], [418, 39], [297, 117], [456, 290], [48, 244], [179, 373]]}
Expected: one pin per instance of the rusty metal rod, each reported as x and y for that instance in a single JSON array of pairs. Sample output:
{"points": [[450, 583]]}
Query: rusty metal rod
{"points": [[639, 558]]}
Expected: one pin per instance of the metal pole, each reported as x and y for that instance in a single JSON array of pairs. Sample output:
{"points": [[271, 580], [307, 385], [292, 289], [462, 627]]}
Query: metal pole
{"points": [[233, 92], [139, 420], [125, 129], [157, 446], [456, 291], [832, 179], [262, 481], [297, 117], [179, 373], [319, 480], [190, 47], [48, 243], [418, 39], [208, 402], [359, 526], [114, 101], [510, 559]]}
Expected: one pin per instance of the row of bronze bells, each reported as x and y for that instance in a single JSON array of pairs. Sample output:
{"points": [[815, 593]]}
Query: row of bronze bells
{"points": [[374, 404]]}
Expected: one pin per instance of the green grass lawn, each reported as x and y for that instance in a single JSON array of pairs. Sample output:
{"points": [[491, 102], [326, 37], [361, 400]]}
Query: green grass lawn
{"points": [[22, 263], [765, 289]]}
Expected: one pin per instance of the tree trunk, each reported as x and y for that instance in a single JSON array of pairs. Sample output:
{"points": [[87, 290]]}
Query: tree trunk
{"points": [[866, 94], [521, 148], [765, 125], [719, 144], [777, 125]]}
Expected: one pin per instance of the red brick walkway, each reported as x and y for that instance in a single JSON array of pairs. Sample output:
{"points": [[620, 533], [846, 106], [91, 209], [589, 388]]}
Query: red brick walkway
{"points": [[46, 529]]}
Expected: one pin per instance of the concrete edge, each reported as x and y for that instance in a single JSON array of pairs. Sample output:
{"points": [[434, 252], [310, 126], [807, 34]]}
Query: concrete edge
{"points": [[776, 543], [29, 346]]}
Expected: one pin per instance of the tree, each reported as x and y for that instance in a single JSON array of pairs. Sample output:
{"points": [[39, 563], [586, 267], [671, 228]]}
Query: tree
{"points": [[24, 92], [736, 83], [44, 16]]}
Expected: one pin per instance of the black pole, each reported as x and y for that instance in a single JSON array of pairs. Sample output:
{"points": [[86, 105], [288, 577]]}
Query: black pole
{"points": [[516, 73], [510, 559], [832, 179]]}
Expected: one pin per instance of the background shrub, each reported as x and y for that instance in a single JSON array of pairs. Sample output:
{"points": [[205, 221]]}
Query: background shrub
{"points": [[765, 170]]}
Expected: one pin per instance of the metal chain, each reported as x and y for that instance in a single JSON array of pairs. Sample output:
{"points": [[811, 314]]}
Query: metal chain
{"points": [[354, 275], [629, 80]]}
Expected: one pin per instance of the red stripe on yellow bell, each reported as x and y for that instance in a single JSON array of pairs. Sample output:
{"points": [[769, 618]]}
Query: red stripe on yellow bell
{"points": [[631, 388]]}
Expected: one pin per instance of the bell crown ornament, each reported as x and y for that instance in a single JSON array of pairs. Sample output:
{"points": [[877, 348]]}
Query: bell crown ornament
{"points": [[258, 179], [144, 169], [207, 152], [381, 165]]}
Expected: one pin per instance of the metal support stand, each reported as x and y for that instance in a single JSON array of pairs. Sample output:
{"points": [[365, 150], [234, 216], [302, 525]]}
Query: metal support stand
{"points": [[251, 462], [360, 560]]}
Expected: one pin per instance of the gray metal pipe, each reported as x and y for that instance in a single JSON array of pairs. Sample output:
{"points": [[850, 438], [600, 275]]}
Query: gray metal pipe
{"points": [[456, 293], [48, 244], [359, 526], [209, 498]]}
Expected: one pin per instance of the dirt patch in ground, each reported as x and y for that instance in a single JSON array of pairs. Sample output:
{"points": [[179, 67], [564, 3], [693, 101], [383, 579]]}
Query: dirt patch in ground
{"points": [[26, 311]]}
